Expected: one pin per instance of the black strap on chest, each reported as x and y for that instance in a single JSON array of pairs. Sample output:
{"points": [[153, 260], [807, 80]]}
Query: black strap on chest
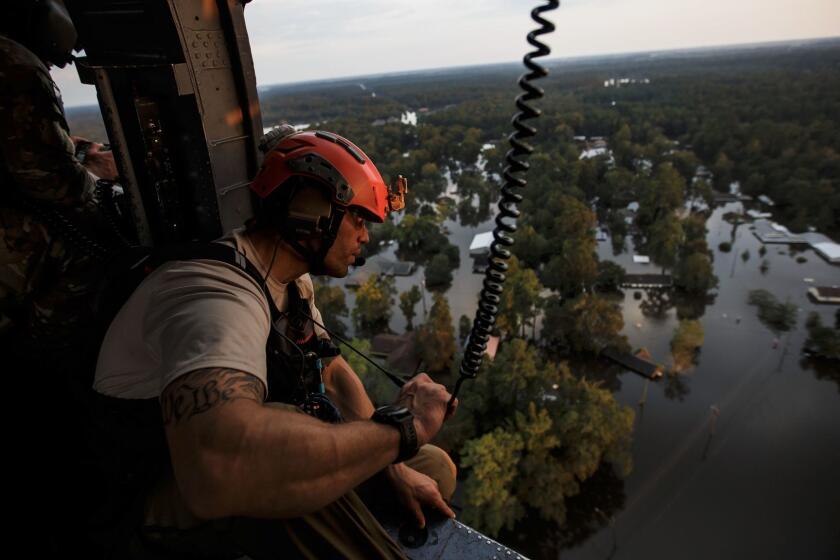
{"points": [[291, 340], [213, 252]]}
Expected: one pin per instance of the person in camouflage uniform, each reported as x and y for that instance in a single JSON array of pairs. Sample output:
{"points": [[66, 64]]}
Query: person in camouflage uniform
{"points": [[49, 262], [51, 254]]}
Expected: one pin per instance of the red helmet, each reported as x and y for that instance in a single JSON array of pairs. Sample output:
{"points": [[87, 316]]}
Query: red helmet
{"points": [[332, 160]]}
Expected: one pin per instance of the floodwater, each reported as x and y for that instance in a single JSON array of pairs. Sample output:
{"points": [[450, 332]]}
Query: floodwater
{"points": [[740, 456], [760, 480]]}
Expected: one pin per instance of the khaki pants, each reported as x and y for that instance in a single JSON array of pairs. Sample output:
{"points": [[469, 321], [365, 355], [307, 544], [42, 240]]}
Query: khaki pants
{"points": [[343, 529]]}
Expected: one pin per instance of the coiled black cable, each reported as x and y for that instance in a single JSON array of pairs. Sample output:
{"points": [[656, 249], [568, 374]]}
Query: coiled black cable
{"points": [[516, 159]]}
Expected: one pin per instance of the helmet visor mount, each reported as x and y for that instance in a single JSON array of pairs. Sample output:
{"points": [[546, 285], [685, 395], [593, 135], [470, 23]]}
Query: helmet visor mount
{"points": [[396, 194], [316, 166]]}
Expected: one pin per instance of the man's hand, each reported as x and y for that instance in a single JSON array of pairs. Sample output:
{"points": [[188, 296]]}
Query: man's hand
{"points": [[427, 401], [101, 163], [415, 490], [98, 160]]}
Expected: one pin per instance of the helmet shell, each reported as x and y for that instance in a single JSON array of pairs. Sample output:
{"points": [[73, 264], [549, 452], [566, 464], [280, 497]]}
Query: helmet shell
{"points": [[353, 179]]}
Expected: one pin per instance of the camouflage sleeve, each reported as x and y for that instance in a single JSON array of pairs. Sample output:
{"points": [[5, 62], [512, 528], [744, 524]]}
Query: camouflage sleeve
{"points": [[36, 149]]}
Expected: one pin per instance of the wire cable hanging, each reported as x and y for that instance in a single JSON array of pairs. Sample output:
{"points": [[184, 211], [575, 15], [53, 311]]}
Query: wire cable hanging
{"points": [[517, 164]]}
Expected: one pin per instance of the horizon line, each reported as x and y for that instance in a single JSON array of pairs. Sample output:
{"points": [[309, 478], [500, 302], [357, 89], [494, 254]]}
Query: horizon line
{"points": [[760, 44]]}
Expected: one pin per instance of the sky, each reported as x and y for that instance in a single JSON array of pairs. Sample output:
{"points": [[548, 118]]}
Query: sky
{"points": [[302, 40]]}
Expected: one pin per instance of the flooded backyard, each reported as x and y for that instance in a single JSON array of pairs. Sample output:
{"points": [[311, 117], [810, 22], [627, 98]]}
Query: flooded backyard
{"points": [[764, 484], [738, 457]]}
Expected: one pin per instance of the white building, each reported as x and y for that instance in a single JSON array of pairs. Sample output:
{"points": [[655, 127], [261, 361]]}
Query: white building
{"points": [[481, 244]]}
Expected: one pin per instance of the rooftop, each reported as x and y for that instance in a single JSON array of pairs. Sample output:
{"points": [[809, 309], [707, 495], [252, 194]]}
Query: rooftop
{"points": [[399, 351], [646, 280], [481, 242]]}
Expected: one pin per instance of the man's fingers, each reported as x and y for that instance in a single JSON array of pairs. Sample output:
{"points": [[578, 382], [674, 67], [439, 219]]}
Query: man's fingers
{"points": [[444, 507], [418, 513], [451, 410]]}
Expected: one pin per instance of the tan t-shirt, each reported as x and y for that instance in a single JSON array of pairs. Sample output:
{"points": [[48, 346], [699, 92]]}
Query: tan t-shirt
{"points": [[189, 315]]}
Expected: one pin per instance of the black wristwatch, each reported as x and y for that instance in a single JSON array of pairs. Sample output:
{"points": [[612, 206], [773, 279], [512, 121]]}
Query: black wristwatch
{"points": [[402, 419]]}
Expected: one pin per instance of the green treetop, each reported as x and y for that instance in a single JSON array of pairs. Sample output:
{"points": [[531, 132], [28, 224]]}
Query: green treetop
{"points": [[823, 340], [374, 299], [687, 341], [436, 337], [520, 298], [695, 275], [664, 238], [408, 300], [333, 307], [777, 316], [544, 433], [588, 324]]}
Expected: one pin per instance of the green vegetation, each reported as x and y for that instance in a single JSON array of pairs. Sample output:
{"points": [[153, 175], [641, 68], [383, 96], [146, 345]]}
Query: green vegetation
{"points": [[374, 300], [610, 276], [408, 301], [520, 299], [823, 341], [537, 442], [687, 341], [436, 337], [380, 389], [586, 324], [775, 315], [333, 307], [438, 272]]}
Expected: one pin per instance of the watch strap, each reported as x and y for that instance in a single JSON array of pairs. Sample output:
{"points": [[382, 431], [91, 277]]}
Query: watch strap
{"points": [[403, 420]]}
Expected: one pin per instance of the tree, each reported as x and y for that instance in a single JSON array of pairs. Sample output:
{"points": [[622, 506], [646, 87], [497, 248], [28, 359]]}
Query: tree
{"points": [[573, 265], [493, 460], [438, 272], [408, 300], [610, 276], [379, 388], [688, 338], [660, 196], [421, 239], [822, 340], [695, 275], [431, 183], [374, 299], [520, 298], [529, 246], [587, 324], [775, 315], [333, 307], [435, 339], [694, 235], [536, 451], [665, 236]]}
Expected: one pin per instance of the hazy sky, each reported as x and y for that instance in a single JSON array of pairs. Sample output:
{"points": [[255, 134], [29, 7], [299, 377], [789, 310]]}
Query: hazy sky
{"points": [[299, 40]]}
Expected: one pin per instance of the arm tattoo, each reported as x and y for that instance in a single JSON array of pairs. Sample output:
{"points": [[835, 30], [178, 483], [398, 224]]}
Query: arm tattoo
{"points": [[206, 389]]}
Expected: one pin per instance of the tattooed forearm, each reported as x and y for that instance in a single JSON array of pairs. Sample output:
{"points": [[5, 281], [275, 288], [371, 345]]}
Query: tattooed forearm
{"points": [[205, 389]]}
